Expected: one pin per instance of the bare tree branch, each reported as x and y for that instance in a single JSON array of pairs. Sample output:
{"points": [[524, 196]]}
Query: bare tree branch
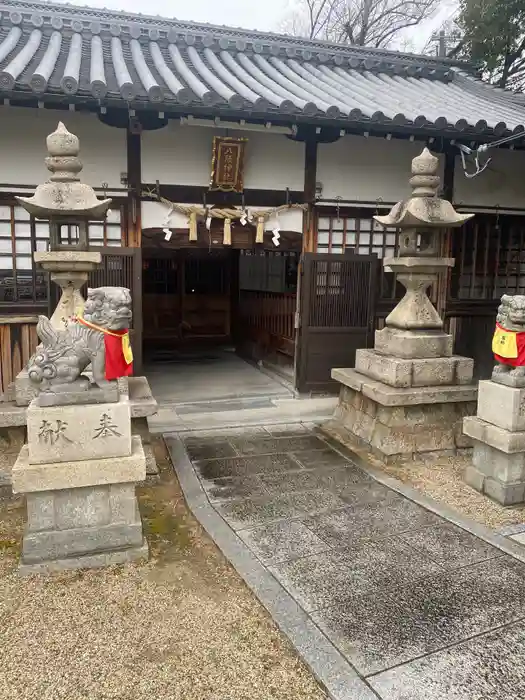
{"points": [[359, 22]]}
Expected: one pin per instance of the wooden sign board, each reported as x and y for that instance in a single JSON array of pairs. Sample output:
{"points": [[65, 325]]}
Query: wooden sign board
{"points": [[227, 170]]}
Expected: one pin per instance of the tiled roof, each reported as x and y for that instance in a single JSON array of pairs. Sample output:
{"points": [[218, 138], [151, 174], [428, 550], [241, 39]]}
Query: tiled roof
{"points": [[73, 52]]}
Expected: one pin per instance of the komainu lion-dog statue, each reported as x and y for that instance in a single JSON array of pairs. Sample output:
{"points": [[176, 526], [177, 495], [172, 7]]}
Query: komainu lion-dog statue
{"points": [[508, 344], [99, 338]]}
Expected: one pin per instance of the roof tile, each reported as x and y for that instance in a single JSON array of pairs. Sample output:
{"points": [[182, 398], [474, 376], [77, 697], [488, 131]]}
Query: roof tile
{"points": [[66, 50]]}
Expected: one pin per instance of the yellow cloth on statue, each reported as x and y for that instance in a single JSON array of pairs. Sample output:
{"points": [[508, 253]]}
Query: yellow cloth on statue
{"points": [[126, 349], [505, 344]]}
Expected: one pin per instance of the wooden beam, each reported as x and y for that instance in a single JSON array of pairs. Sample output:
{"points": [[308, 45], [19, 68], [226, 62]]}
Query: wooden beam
{"points": [[135, 187], [310, 178], [243, 238], [194, 194]]}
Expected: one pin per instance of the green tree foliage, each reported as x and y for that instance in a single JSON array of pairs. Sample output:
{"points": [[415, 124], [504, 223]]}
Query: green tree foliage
{"points": [[494, 37]]}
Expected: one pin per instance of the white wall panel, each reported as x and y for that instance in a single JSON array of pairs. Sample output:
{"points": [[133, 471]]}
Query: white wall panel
{"points": [[363, 169], [500, 185], [23, 134], [181, 155]]}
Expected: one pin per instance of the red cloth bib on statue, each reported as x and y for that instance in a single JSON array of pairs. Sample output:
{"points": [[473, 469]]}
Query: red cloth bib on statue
{"points": [[119, 357], [511, 345], [119, 361]]}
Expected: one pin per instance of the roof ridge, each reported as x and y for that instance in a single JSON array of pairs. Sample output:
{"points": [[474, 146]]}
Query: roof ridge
{"points": [[86, 12]]}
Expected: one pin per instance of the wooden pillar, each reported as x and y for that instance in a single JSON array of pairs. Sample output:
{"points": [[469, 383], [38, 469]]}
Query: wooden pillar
{"points": [[310, 178], [444, 279], [448, 175], [134, 185]]}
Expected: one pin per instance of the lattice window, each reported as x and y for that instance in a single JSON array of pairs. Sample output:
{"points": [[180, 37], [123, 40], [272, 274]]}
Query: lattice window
{"points": [[268, 271], [490, 258], [22, 235], [364, 235]]}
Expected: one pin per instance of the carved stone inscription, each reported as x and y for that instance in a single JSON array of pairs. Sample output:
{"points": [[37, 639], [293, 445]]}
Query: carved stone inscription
{"points": [[106, 428], [78, 432], [52, 432]]}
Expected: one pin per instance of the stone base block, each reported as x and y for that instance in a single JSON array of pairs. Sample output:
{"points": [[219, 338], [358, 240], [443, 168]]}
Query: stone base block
{"points": [[396, 433], [12, 439], [503, 406], [32, 478], [498, 475], [78, 522], [25, 390], [402, 396], [501, 439], [12, 415], [48, 546], [143, 404], [86, 561], [508, 379], [92, 395], [413, 345], [151, 463], [69, 433], [399, 372], [141, 400], [506, 469]]}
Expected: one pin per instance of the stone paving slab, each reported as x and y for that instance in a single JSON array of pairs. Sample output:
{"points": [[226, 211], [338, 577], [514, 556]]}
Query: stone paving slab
{"points": [[449, 546], [387, 630], [236, 466], [486, 667], [376, 590], [288, 539], [262, 446]]}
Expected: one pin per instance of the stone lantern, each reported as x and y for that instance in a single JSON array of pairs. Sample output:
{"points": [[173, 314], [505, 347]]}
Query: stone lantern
{"points": [[409, 394], [414, 328], [69, 205]]}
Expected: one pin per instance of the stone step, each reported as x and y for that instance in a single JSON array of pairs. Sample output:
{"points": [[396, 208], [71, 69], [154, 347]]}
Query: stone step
{"points": [[279, 411]]}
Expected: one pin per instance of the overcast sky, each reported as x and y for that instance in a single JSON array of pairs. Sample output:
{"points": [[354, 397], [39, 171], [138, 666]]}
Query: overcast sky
{"points": [[251, 14], [265, 15]]}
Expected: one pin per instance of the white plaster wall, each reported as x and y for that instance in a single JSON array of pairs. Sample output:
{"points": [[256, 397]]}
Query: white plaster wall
{"points": [[23, 134], [181, 155], [362, 169], [502, 184]]}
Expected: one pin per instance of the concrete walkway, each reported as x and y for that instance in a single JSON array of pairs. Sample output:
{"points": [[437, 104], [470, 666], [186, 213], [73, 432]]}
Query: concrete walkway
{"points": [[210, 376], [220, 390], [383, 598]]}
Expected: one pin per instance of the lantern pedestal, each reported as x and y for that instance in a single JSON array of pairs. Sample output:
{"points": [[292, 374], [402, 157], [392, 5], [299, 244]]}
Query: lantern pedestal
{"points": [[408, 396], [69, 270]]}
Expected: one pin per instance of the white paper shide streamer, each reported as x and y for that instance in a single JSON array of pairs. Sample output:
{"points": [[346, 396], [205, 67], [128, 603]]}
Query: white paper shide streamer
{"points": [[166, 227]]}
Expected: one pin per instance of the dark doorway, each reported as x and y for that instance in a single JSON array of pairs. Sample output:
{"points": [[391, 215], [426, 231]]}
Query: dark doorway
{"points": [[187, 298]]}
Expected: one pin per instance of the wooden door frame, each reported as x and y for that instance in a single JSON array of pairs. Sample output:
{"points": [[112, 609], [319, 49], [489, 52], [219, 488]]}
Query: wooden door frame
{"points": [[305, 301]]}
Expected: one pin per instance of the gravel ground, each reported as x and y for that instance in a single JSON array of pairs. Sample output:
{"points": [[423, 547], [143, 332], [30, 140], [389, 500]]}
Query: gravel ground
{"points": [[181, 626], [442, 480]]}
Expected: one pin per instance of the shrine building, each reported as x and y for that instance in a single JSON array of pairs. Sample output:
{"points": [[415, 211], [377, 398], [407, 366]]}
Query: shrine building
{"points": [[245, 169]]}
